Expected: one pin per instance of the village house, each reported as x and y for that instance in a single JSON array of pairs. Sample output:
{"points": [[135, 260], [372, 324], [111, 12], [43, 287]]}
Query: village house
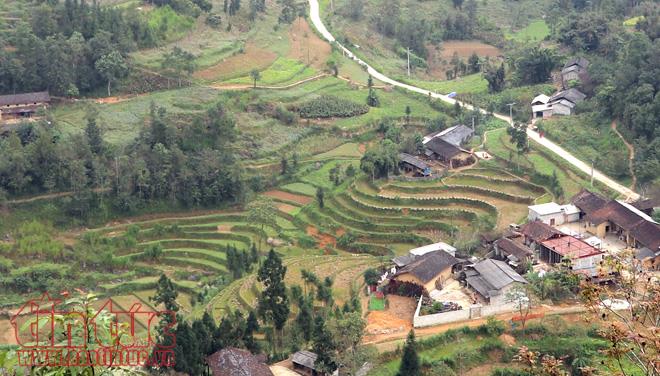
{"points": [[450, 155], [492, 280], [410, 163], [237, 362], [429, 271], [626, 222], [647, 205], [553, 214], [304, 364], [458, 135], [575, 70], [516, 254], [648, 259], [536, 232], [24, 105], [403, 260], [583, 257], [588, 202], [560, 103]]}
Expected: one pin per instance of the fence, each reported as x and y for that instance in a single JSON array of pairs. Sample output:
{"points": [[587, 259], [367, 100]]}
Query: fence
{"points": [[474, 312]]}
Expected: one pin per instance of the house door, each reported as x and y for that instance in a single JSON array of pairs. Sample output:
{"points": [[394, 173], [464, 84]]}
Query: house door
{"points": [[552, 221]]}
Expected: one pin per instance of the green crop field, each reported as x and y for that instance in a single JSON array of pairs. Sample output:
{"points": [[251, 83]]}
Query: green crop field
{"points": [[535, 31]]}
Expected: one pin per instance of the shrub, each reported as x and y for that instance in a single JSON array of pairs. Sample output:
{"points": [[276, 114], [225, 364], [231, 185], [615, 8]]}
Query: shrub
{"points": [[330, 106], [306, 241]]}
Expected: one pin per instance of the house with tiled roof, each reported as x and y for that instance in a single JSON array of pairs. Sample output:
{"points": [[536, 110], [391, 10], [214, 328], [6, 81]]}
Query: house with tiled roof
{"points": [[625, 221], [514, 253], [429, 271], [583, 257], [536, 232], [25, 105], [237, 362], [492, 279]]}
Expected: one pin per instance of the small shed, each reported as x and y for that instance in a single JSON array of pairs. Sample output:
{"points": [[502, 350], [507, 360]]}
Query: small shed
{"points": [[414, 164], [492, 279], [23, 105], [553, 214], [304, 362]]}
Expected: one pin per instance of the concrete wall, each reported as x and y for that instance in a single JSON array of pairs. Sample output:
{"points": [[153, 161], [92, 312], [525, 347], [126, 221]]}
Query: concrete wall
{"points": [[545, 218], [474, 312]]}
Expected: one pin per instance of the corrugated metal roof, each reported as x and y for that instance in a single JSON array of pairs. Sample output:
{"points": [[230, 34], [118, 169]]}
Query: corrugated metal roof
{"points": [[497, 273]]}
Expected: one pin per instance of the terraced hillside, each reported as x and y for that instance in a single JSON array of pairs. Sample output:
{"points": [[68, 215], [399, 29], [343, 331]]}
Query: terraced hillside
{"points": [[361, 224]]}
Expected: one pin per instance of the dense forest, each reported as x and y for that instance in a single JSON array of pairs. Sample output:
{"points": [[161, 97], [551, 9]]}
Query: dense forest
{"points": [[194, 165]]}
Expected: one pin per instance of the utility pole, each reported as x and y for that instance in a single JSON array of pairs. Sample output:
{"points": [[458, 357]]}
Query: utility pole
{"points": [[592, 173], [408, 53], [511, 112]]}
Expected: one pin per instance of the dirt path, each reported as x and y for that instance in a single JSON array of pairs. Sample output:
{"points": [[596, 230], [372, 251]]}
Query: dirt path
{"points": [[49, 196], [631, 155]]}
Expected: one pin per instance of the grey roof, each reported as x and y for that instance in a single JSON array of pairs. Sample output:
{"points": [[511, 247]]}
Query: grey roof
{"points": [[577, 61], [304, 358], [404, 260], [572, 95], [442, 148], [510, 247], [588, 201], [456, 135], [413, 161], [25, 98], [237, 362], [644, 253], [492, 276], [428, 266]]}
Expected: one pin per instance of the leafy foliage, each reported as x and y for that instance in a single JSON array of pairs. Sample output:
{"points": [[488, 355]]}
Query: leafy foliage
{"points": [[327, 106]]}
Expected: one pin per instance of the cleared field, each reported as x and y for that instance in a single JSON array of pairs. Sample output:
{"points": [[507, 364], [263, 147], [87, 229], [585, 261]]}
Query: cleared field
{"points": [[439, 58], [535, 31]]}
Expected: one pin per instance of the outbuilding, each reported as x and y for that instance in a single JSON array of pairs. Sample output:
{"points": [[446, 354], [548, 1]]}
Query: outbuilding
{"points": [[553, 214]]}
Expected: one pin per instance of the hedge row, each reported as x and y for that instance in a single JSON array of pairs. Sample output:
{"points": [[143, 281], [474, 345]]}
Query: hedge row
{"points": [[431, 200], [327, 106]]}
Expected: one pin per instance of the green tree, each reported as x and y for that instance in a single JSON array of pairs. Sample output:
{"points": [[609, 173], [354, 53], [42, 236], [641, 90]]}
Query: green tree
{"points": [[319, 196], [474, 64], [273, 305], [262, 211], [533, 65], [112, 67], [372, 97], [93, 133], [255, 77], [410, 365], [408, 112], [178, 63], [347, 331], [495, 78], [323, 346], [251, 327]]}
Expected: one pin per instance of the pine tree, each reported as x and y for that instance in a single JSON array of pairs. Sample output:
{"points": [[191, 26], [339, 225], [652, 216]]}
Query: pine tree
{"points": [[94, 138], [319, 196], [410, 360], [251, 326], [304, 320], [323, 346], [273, 303]]}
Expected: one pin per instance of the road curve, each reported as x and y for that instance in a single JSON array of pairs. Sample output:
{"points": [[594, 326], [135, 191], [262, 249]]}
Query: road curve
{"points": [[315, 16]]}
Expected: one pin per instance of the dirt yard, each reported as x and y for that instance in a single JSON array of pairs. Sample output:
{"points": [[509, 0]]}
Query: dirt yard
{"points": [[396, 318], [286, 196], [306, 46], [253, 57], [452, 292], [439, 59]]}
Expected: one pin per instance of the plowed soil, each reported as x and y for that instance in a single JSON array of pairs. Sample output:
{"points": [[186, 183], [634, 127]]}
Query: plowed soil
{"points": [[253, 57], [306, 46], [285, 208], [286, 196]]}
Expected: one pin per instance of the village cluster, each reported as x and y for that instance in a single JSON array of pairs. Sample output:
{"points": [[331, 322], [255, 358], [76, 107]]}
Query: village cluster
{"points": [[577, 236]]}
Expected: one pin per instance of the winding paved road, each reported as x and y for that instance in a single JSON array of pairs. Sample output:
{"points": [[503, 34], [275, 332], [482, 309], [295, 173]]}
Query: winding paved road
{"points": [[315, 16]]}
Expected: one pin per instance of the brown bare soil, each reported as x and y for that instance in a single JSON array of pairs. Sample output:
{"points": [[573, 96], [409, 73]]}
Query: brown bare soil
{"points": [[340, 232], [362, 148], [286, 196], [285, 208], [306, 46], [508, 339], [253, 57], [324, 239], [397, 318], [439, 59], [7, 335]]}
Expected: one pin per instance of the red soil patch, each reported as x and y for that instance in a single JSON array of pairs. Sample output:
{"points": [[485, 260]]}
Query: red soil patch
{"points": [[306, 46], [323, 239], [286, 196], [340, 232], [395, 319], [253, 57], [285, 208], [362, 148], [439, 59]]}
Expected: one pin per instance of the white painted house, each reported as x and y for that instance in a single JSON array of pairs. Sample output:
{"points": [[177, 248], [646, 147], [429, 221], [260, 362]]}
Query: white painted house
{"points": [[553, 214]]}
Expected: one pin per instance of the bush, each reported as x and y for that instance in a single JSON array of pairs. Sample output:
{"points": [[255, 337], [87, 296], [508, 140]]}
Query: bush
{"points": [[330, 106]]}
